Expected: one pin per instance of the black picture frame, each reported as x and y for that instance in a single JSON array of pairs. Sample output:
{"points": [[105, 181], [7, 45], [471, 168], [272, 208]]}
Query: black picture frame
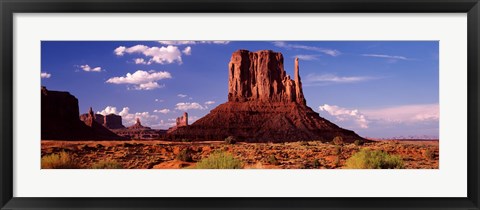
{"points": [[10, 7]]}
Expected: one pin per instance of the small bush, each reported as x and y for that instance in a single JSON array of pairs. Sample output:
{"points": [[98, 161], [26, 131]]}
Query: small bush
{"points": [[338, 140], [273, 160], [185, 155], [337, 150], [358, 142], [107, 164], [61, 160], [186, 140], [374, 159], [304, 143], [316, 163], [219, 160], [231, 140], [429, 154]]}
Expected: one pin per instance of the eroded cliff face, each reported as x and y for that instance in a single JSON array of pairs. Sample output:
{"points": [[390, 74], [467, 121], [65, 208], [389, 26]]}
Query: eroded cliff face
{"points": [[61, 121], [260, 77], [264, 105]]}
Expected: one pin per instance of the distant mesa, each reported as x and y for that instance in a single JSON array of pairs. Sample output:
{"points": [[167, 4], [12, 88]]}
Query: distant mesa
{"points": [[182, 121], [264, 105], [110, 121], [60, 119]]}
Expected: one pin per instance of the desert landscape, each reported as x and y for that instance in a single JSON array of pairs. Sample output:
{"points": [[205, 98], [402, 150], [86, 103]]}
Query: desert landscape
{"points": [[265, 124], [416, 154]]}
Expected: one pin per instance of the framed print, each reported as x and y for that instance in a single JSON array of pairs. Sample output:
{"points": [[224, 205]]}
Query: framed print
{"points": [[239, 105]]}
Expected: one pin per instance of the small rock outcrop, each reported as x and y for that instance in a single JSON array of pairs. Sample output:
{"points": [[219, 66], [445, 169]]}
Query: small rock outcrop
{"points": [[60, 119], [264, 105], [182, 121], [139, 132]]}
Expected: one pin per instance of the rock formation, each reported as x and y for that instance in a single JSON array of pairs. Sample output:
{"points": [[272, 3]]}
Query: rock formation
{"points": [[182, 121], [260, 77], [264, 105], [110, 121], [60, 119], [138, 131]]}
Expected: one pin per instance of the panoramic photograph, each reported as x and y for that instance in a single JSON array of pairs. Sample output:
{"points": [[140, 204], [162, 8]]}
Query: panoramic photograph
{"points": [[207, 104]]}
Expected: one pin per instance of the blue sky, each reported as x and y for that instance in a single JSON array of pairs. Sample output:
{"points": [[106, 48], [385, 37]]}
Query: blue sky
{"points": [[379, 89]]}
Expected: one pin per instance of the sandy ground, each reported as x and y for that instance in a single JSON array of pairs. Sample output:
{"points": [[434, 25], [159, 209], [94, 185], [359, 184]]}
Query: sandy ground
{"points": [[293, 155]]}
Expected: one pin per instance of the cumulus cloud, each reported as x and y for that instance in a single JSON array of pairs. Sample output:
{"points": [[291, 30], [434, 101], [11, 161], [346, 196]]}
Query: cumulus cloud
{"points": [[45, 75], [184, 106], [187, 50], [108, 110], [87, 68], [130, 118], [395, 57], [182, 95], [343, 114], [192, 42], [142, 80], [326, 51], [209, 102], [163, 111], [161, 55], [142, 61], [331, 78]]}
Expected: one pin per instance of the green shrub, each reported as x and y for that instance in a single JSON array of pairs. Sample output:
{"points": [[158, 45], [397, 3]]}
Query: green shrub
{"points": [[231, 140], [61, 160], [186, 140], [273, 160], [337, 150], [338, 140], [429, 154], [107, 164], [185, 155], [358, 142], [304, 143], [374, 159], [316, 163], [219, 160]]}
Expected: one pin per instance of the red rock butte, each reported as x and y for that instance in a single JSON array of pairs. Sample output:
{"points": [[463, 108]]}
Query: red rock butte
{"points": [[264, 105]]}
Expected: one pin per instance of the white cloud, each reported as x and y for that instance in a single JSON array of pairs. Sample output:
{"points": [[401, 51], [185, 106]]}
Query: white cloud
{"points": [[130, 118], [187, 50], [159, 100], [307, 57], [192, 42], [164, 125], [395, 57], [161, 55], [141, 80], [163, 111], [406, 114], [187, 106], [331, 78], [343, 114], [326, 51], [108, 110], [209, 102], [87, 68], [182, 95], [45, 75], [142, 61], [120, 51]]}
